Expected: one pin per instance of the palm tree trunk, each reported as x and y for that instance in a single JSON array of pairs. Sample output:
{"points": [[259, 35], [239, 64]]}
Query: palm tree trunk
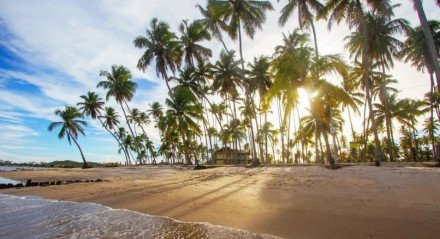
{"points": [[353, 134], [314, 35], [384, 99], [378, 156], [266, 136], [186, 145], [254, 150], [114, 136], [280, 118], [433, 54], [80, 150], [126, 119], [431, 131]]}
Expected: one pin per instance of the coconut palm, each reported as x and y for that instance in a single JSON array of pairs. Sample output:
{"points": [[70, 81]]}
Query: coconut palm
{"points": [[259, 79], [71, 126], [212, 19], [429, 38], [161, 46], [249, 15], [305, 15], [184, 109], [354, 11], [92, 105], [192, 34], [119, 86]]}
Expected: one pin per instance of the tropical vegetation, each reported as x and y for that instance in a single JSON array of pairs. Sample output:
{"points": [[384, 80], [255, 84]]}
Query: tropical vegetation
{"points": [[217, 101]]}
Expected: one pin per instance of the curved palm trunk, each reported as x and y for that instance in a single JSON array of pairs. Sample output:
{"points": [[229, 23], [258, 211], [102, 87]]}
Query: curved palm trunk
{"points": [[428, 38], [378, 156], [133, 133], [80, 150], [126, 119], [114, 136]]}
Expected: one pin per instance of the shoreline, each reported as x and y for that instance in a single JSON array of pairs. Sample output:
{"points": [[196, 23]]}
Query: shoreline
{"points": [[301, 201]]}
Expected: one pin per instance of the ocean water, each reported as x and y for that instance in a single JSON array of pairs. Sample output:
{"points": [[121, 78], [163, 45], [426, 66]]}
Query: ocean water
{"points": [[30, 217], [7, 180], [7, 168]]}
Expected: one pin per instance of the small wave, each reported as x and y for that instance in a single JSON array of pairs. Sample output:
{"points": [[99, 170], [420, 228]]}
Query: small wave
{"points": [[32, 217]]}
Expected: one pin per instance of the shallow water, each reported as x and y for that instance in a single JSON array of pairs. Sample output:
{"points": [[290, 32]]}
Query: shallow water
{"points": [[30, 217], [7, 168], [7, 180]]}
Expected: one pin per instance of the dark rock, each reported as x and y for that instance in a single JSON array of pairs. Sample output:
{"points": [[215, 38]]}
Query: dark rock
{"points": [[9, 185], [98, 180], [44, 184], [52, 183], [58, 183], [2, 185], [33, 184], [18, 185], [28, 183]]}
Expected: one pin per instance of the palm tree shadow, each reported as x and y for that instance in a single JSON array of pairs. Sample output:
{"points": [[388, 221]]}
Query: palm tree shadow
{"points": [[200, 197]]}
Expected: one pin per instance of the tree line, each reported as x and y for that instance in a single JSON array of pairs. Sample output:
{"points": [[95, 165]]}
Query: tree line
{"points": [[193, 123]]}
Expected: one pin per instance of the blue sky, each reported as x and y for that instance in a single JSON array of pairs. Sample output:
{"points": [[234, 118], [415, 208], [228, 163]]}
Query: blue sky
{"points": [[51, 52]]}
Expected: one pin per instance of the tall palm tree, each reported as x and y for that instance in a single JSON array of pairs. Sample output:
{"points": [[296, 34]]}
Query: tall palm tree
{"points": [[416, 51], [192, 34], [429, 39], [305, 15], [119, 86], [92, 105], [71, 125], [249, 15], [259, 79], [162, 46], [184, 109], [354, 11], [212, 19]]}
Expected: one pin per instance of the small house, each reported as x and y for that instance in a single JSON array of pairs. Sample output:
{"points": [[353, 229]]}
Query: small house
{"points": [[227, 155]]}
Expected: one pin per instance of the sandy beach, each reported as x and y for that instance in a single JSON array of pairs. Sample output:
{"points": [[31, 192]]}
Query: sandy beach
{"points": [[290, 202]]}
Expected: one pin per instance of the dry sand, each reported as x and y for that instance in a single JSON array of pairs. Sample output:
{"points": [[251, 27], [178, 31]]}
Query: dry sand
{"points": [[290, 202]]}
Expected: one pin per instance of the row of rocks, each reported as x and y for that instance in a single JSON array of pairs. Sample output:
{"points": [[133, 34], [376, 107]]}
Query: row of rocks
{"points": [[30, 183]]}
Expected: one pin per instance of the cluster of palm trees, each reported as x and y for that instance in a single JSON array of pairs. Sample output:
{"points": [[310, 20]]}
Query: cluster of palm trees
{"points": [[195, 123]]}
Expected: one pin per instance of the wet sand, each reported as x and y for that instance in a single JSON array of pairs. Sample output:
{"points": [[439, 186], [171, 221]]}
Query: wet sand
{"points": [[290, 202]]}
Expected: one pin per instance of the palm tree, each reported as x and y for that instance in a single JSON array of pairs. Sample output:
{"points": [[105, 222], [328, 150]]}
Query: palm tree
{"points": [[212, 19], [354, 13], [162, 46], [71, 125], [192, 34], [305, 15], [92, 106], [250, 15], [409, 111], [184, 109], [416, 51], [110, 121], [429, 39], [259, 79], [119, 86], [133, 118]]}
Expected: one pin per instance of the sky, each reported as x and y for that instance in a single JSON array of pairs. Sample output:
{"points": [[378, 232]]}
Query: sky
{"points": [[52, 51]]}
